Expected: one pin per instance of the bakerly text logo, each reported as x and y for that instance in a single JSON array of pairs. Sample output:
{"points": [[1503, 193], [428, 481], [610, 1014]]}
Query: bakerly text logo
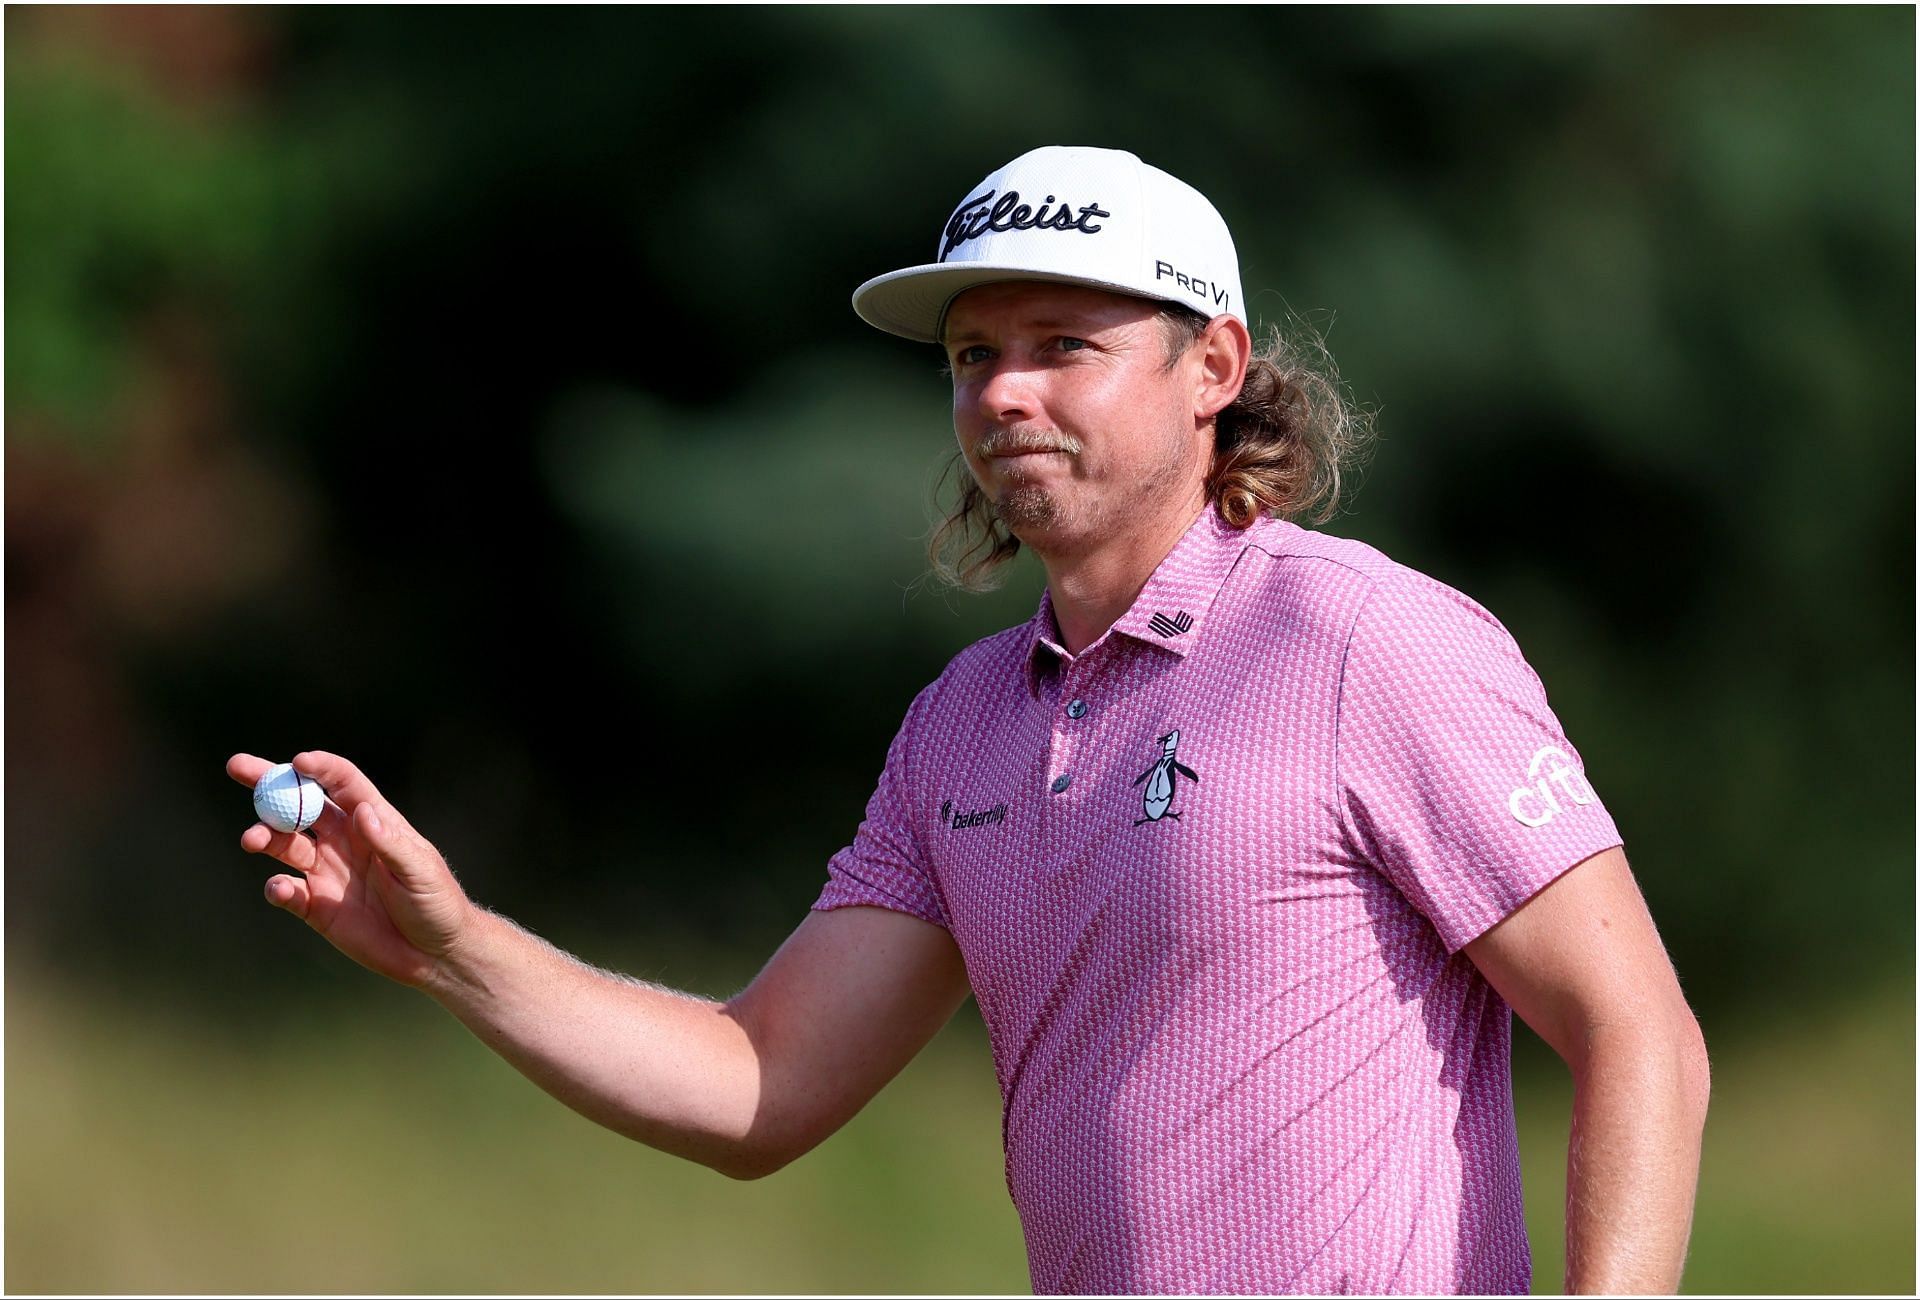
{"points": [[1550, 769], [960, 820], [983, 213]]}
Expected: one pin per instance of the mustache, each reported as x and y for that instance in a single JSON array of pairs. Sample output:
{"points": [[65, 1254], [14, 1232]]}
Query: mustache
{"points": [[1013, 441]]}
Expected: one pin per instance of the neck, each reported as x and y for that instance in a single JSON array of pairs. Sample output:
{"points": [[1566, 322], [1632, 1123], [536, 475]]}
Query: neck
{"points": [[1092, 588]]}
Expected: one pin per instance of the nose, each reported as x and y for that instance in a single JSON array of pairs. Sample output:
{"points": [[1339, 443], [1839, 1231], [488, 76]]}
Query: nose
{"points": [[1007, 394]]}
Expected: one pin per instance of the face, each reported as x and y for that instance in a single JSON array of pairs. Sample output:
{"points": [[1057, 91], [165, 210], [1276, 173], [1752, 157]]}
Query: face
{"points": [[1068, 415]]}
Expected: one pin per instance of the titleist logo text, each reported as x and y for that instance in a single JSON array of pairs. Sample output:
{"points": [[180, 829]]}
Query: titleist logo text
{"points": [[984, 213]]}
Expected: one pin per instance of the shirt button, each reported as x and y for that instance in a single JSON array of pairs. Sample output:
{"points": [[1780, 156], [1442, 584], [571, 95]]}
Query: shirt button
{"points": [[1061, 782], [1078, 709]]}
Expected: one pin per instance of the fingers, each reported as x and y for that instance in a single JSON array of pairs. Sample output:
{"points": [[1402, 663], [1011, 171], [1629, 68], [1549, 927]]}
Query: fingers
{"points": [[295, 850], [344, 783], [247, 769], [357, 824], [290, 894]]}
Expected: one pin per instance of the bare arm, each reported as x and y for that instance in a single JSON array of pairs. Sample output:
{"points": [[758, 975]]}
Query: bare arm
{"points": [[1582, 964], [743, 1086]]}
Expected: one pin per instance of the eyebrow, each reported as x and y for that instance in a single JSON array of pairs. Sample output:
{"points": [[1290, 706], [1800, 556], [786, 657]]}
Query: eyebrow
{"points": [[1070, 324]]}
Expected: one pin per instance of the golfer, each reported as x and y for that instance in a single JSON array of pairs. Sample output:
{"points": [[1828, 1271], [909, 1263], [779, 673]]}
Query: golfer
{"points": [[1246, 843]]}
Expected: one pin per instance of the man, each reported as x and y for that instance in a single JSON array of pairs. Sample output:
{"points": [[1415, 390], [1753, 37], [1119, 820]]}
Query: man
{"points": [[1244, 844]]}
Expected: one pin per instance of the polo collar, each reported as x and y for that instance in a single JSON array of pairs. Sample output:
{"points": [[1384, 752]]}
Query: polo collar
{"points": [[1170, 613]]}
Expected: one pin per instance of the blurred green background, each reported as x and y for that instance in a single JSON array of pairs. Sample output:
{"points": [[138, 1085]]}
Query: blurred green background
{"points": [[474, 393]]}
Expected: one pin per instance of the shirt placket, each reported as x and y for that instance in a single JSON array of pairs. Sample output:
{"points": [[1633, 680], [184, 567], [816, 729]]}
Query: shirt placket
{"points": [[1069, 770]]}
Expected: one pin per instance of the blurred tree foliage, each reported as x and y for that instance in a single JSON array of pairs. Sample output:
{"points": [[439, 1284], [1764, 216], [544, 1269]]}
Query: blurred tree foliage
{"points": [[475, 393]]}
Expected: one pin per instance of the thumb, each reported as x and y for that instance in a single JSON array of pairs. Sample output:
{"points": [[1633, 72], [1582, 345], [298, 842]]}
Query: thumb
{"points": [[408, 857]]}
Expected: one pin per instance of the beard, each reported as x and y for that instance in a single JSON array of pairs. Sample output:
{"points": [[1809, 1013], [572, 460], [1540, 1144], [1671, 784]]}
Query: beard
{"points": [[1027, 506], [1032, 510], [1024, 504]]}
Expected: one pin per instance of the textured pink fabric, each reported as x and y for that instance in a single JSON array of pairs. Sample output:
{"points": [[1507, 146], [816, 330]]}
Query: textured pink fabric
{"points": [[1238, 1045]]}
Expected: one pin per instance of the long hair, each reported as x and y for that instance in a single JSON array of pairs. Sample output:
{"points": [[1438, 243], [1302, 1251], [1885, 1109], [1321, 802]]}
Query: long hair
{"points": [[1286, 446]]}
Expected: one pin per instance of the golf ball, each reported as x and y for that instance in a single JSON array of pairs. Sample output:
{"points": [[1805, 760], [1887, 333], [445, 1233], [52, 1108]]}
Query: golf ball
{"points": [[286, 800]]}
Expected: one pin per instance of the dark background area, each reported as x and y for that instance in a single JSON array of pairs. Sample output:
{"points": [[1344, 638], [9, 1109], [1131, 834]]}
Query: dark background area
{"points": [[475, 393], [477, 396]]}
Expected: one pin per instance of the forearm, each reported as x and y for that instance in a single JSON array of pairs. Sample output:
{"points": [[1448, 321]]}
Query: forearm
{"points": [[1633, 1161], [670, 1070]]}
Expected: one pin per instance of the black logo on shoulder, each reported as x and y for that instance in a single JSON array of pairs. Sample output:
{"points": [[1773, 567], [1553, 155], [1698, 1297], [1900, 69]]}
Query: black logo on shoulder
{"points": [[1161, 779], [1170, 627], [983, 213], [960, 820]]}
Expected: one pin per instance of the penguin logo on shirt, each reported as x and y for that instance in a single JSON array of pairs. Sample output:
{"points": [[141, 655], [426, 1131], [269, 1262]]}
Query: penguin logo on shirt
{"points": [[1161, 779]]}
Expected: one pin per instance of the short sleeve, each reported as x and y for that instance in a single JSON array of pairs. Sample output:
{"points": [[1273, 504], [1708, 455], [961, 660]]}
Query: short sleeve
{"points": [[884, 866], [1456, 780]]}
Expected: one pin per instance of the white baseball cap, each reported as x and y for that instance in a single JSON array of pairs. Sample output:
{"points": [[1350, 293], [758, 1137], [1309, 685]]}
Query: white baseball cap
{"points": [[1075, 215]]}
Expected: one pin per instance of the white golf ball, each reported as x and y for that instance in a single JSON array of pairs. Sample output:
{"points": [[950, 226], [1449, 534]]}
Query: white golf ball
{"points": [[286, 800]]}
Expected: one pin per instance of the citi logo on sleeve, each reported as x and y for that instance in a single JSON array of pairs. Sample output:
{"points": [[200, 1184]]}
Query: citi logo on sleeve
{"points": [[1551, 768]]}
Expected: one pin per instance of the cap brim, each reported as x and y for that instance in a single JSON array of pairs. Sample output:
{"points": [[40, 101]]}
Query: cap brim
{"points": [[912, 303]]}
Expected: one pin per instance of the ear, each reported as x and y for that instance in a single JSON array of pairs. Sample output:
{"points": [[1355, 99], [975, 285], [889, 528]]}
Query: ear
{"points": [[1224, 349]]}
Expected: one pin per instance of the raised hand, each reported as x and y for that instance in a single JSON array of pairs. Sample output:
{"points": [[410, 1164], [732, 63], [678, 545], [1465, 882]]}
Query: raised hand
{"points": [[366, 880]]}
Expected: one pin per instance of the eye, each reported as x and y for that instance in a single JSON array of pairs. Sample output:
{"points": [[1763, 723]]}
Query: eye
{"points": [[1072, 344], [972, 354]]}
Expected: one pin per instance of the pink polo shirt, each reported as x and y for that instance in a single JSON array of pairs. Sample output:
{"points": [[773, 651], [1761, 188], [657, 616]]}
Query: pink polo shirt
{"points": [[1211, 878]]}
